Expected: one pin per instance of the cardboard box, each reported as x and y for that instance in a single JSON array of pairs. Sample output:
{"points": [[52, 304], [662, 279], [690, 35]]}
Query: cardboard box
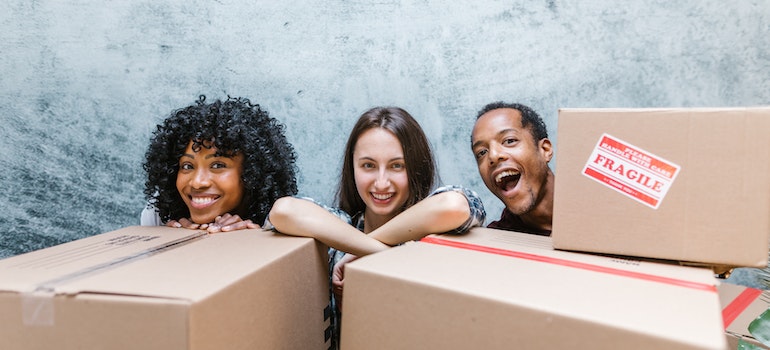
{"points": [[167, 288], [690, 185], [493, 289], [741, 305]]}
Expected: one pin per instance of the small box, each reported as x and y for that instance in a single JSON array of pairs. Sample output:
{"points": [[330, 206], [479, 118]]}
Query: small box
{"points": [[493, 289], [688, 184], [742, 305], [167, 288]]}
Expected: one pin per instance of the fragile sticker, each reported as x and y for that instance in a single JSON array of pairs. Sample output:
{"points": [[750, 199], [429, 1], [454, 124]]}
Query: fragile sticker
{"points": [[630, 170]]}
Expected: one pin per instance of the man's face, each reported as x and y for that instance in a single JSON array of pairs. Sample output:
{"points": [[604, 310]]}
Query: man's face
{"points": [[512, 164]]}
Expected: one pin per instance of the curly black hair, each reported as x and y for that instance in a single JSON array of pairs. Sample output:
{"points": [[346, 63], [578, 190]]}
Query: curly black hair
{"points": [[236, 126]]}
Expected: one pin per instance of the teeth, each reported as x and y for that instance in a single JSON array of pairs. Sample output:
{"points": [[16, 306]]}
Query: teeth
{"points": [[202, 200], [500, 176], [382, 196]]}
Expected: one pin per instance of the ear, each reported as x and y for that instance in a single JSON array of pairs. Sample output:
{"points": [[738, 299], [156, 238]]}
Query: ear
{"points": [[546, 149]]}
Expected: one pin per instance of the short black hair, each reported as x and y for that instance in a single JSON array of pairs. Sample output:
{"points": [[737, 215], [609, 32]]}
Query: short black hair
{"points": [[236, 126], [529, 118]]}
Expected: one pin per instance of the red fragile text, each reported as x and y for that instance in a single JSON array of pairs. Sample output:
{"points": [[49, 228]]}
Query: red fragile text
{"points": [[630, 173]]}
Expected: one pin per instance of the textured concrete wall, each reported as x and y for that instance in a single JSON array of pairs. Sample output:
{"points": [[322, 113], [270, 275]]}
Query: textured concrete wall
{"points": [[84, 81]]}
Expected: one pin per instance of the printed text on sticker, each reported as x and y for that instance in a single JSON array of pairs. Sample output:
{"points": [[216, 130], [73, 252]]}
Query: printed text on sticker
{"points": [[638, 174]]}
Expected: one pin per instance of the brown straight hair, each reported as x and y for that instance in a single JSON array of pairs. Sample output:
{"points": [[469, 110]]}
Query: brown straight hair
{"points": [[418, 157]]}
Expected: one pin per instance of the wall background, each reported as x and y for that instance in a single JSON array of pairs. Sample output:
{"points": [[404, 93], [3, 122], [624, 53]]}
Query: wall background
{"points": [[84, 81]]}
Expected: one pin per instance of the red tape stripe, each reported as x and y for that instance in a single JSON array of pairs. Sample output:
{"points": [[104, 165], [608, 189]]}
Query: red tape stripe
{"points": [[740, 303], [569, 263]]}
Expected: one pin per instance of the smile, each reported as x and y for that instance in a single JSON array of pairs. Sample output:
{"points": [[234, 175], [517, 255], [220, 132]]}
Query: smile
{"points": [[202, 201], [382, 196]]}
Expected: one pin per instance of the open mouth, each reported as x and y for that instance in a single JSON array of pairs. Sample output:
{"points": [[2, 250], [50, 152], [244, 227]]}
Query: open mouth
{"points": [[507, 180]]}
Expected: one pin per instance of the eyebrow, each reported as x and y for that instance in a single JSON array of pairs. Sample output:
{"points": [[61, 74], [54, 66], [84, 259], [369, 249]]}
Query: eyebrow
{"points": [[372, 159], [188, 155]]}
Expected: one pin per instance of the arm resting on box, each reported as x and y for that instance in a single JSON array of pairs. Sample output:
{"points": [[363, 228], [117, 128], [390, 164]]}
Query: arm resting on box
{"points": [[299, 217]]}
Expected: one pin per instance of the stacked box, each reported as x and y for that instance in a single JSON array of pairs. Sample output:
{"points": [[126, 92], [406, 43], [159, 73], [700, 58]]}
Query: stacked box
{"points": [[167, 288], [688, 184]]}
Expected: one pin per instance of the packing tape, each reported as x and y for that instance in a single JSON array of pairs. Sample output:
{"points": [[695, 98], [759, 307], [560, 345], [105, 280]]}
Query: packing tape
{"points": [[570, 263], [740, 303], [37, 307]]}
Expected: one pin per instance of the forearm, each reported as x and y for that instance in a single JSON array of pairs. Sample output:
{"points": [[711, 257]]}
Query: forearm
{"points": [[298, 217], [436, 214]]}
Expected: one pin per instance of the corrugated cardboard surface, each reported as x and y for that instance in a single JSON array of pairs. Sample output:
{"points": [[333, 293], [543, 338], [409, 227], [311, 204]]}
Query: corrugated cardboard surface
{"points": [[717, 211], [740, 306], [166, 288], [523, 294]]}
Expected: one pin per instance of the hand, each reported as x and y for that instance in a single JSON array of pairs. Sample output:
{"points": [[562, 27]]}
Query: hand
{"points": [[186, 223], [227, 222], [338, 277]]}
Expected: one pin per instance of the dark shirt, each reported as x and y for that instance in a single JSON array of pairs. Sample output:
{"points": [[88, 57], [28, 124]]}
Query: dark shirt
{"points": [[512, 222]]}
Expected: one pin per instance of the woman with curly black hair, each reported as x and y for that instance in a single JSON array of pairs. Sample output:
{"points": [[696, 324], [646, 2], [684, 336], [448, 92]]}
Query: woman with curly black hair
{"points": [[217, 166]]}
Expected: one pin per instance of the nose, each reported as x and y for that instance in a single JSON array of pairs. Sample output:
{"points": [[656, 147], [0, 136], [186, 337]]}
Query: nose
{"points": [[496, 154], [200, 179], [383, 180]]}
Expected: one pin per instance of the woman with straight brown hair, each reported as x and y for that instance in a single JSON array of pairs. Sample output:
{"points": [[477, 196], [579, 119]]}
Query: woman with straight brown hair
{"points": [[384, 196]]}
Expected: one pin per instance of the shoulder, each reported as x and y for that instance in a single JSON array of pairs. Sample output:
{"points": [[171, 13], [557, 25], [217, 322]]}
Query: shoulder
{"points": [[474, 201], [150, 216]]}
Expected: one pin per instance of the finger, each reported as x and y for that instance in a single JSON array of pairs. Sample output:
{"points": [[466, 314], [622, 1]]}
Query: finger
{"points": [[240, 225], [234, 226], [229, 220], [186, 223], [173, 223]]}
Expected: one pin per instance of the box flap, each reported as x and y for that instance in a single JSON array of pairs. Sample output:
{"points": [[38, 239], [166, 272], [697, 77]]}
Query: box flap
{"points": [[44, 268], [540, 248]]}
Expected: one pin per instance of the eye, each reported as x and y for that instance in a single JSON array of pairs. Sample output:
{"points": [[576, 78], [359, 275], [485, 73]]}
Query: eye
{"points": [[481, 153], [218, 165], [186, 166], [510, 141], [398, 166], [367, 165]]}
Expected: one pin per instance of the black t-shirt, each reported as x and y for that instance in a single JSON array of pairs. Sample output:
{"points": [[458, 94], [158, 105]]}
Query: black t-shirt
{"points": [[511, 222]]}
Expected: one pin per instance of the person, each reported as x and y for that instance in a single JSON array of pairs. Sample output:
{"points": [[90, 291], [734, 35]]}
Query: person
{"points": [[217, 166], [384, 197], [512, 150]]}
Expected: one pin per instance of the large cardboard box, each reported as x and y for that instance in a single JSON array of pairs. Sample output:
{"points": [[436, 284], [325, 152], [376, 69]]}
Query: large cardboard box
{"points": [[167, 288], [742, 305], [493, 289], [691, 185]]}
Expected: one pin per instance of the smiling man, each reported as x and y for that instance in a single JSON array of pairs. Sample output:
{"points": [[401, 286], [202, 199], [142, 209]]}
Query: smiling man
{"points": [[512, 150]]}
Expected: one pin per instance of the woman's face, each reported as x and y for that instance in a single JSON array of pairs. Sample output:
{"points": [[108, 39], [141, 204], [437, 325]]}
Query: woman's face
{"points": [[210, 185], [380, 174]]}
